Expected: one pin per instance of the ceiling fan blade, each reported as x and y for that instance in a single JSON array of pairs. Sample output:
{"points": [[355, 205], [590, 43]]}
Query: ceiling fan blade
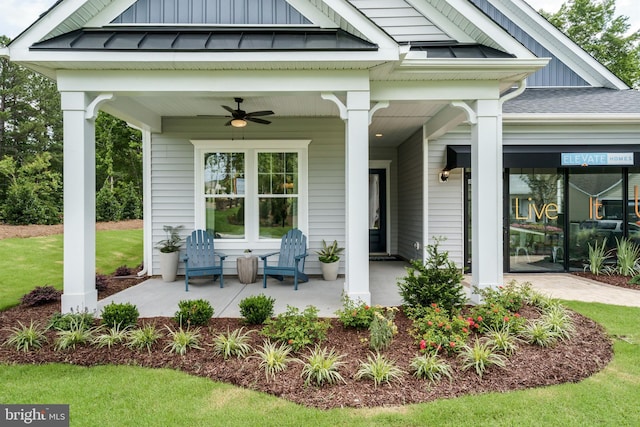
{"points": [[256, 120], [229, 109], [260, 113]]}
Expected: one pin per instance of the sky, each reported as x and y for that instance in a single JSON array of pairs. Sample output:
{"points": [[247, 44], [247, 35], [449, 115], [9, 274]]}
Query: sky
{"points": [[17, 15]]}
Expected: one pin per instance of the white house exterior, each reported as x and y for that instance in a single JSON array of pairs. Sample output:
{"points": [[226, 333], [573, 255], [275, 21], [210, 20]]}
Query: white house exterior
{"points": [[369, 97]]}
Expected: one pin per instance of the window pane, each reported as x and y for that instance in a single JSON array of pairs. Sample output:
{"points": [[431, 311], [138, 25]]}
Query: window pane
{"points": [[277, 216], [224, 173], [277, 173], [536, 212], [633, 209], [595, 212], [225, 217]]}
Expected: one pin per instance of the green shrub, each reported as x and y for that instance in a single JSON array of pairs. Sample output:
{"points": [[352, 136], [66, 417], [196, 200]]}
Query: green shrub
{"points": [[65, 322], [26, 338], [123, 315], [41, 295], [297, 329], [130, 200], [196, 312], [256, 309], [436, 331], [356, 315], [437, 281], [382, 329]]}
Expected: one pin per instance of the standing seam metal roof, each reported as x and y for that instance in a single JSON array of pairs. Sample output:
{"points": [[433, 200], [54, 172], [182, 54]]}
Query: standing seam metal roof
{"points": [[205, 39]]}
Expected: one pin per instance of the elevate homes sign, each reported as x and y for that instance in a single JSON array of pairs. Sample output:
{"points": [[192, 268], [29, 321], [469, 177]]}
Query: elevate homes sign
{"points": [[597, 159]]}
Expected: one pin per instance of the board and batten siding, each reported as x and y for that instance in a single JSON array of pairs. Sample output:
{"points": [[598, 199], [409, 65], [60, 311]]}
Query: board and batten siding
{"points": [[410, 196], [172, 170]]}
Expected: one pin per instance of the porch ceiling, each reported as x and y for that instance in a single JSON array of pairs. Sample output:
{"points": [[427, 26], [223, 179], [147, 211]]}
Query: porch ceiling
{"points": [[396, 123]]}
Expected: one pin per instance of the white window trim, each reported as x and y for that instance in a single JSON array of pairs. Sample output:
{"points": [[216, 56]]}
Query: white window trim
{"points": [[251, 148]]}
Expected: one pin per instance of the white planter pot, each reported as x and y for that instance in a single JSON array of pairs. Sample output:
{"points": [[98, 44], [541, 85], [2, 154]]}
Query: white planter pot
{"points": [[330, 270], [169, 265]]}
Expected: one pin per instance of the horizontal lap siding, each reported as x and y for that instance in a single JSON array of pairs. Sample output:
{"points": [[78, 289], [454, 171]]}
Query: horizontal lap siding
{"points": [[173, 176], [446, 200]]}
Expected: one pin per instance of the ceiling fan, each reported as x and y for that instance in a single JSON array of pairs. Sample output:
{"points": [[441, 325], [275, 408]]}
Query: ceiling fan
{"points": [[240, 117]]}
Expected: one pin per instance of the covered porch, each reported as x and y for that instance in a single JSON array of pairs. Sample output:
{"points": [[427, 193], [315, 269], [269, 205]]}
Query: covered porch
{"points": [[154, 297]]}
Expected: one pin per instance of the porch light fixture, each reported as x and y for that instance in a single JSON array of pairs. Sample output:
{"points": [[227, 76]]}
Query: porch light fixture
{"points": [[238, 123], [444, 176]]}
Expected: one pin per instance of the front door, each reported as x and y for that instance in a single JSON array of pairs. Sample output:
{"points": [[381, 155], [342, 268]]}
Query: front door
{"points": [[377, 211]]}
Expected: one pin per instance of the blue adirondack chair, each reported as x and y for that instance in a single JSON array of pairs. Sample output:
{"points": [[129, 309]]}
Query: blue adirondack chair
{"points": [[293, 251], [201, 259]]}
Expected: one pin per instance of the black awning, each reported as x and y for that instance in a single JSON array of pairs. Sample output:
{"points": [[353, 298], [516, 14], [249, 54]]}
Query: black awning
{"points": [[537, 156]]}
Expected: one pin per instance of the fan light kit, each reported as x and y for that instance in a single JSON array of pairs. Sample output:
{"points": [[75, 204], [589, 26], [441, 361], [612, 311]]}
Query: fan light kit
{"points": [[239, 118]]}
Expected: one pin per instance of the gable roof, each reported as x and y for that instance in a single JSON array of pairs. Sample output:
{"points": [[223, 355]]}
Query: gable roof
{"points": [[574, 101]]}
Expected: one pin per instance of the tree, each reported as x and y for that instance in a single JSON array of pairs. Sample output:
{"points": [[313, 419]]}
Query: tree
{"points": [[592, 24]]}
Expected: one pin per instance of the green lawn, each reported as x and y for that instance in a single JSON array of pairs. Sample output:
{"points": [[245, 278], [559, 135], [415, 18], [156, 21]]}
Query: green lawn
{"points": [[37, 261], [131, 396]]}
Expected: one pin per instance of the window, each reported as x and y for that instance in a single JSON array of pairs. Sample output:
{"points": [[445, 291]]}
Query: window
{"points": [[251, 191]]}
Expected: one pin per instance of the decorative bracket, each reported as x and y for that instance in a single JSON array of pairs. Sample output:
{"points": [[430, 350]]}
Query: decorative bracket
{"points": [[341, 107], [92, 109], [472, 118], [380, 105]]}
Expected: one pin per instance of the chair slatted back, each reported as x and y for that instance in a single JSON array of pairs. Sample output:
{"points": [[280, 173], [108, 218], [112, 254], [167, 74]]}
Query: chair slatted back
{"points": [[200, 249], [293, 243]]}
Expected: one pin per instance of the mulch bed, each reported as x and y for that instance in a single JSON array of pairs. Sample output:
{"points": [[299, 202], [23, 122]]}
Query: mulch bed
{"points": [[570, 361], [614, 280], [589, 351]]}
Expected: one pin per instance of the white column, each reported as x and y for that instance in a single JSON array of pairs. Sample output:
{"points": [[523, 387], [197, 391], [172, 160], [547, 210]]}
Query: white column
{"points": [[79, 292], [357, 197], [486, 201]]}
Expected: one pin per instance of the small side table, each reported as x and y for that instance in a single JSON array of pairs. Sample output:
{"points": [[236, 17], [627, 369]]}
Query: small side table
{"points": [[247, 269]]}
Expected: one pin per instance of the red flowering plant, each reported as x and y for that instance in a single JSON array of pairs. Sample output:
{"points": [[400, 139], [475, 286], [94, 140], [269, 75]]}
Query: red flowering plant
{"points": [[436, 331], [356, 314], [494, 316]]}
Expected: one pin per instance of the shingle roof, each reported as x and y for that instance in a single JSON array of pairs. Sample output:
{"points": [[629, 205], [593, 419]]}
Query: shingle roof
{"points": [[575, 101], [191, 39]]}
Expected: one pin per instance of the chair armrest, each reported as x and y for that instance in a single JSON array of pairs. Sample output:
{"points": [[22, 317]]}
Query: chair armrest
{"points": [[304, 255], [268, 255], [220, 254], [185, 258]]}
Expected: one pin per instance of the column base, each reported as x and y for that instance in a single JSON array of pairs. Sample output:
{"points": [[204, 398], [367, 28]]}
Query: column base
{"points": [[80, 303]]}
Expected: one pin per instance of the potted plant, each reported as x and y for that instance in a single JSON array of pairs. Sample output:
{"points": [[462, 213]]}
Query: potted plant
{"points": [[329, 260], [170, 252]]}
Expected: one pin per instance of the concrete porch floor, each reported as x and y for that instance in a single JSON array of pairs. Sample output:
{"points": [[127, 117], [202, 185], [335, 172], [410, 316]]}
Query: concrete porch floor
{"points": [[154, 297]]}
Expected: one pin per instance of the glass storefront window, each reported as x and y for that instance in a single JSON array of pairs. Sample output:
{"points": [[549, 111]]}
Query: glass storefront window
{"points": [[596, 212], [633, 203], [536, 220]]}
